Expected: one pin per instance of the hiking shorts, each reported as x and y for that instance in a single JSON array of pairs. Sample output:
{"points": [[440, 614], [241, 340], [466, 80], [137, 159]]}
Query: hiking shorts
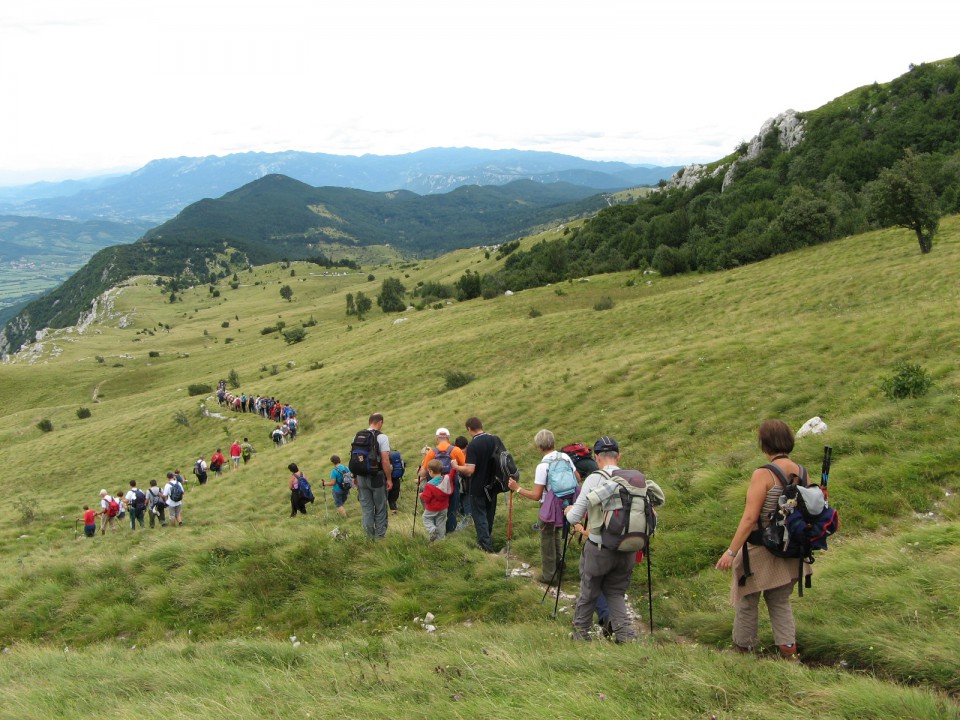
{"points": [[173, 512], [340, 496]]}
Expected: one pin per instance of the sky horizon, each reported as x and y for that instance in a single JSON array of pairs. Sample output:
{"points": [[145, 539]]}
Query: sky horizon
{"points": [[107, 85]]}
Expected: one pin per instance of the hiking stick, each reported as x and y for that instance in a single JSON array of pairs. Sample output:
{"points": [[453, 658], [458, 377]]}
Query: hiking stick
{"points": [[75, 535], [563, 558], [416, 503], [324, 485], [649, 587], [825, 470], [509, 529]]}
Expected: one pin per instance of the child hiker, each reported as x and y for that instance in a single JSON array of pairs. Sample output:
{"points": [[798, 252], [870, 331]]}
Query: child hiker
{"points": [[436, 500]]}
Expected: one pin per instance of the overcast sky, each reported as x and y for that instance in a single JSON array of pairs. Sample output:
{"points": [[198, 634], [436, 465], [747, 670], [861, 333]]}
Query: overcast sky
{"points": [[88, 86]]}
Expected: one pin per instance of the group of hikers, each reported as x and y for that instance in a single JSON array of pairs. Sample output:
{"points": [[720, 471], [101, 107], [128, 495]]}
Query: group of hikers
{"points": [[281, 413], [583, 492], [162, 505]]}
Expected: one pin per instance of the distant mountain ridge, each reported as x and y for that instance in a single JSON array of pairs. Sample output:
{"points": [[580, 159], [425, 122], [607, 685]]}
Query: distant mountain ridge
{"points": [[162, 188]]}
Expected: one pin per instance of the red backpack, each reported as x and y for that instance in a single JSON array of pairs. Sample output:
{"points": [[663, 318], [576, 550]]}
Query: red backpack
{"points": [[113, 507]]}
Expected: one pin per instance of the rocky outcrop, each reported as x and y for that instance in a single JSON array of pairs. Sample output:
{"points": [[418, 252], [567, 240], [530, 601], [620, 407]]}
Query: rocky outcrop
{"points": [[790, 133]]}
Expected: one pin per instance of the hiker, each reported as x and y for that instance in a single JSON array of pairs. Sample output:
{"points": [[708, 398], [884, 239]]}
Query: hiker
{"points": [[246, 451], [446, 453], [109, 508], [770, 575], [156, 503], [235, 451], [179, 477], [551, 519], [89, 522], [123, 505], [136, 501], [216, 462], [277, 436], [173, 492], [292, 425], [341, 480], [464, 483], [397, 468], [603, 567], [298, 501], [200, 470], [436, 500], [479, 468], [370, 465]]}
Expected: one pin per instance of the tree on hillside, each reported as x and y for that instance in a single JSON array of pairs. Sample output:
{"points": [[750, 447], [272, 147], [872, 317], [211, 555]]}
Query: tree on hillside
{"points": [[362, 304], [351, 308], [286, 292], [391, 294], [903, 197]]}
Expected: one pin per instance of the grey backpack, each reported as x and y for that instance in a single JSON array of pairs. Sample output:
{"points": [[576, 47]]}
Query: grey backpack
{"points": [[627, 500]]}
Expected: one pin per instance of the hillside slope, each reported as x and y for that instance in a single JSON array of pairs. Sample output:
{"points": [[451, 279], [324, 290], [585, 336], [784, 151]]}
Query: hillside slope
{"points": [[680, 370]]}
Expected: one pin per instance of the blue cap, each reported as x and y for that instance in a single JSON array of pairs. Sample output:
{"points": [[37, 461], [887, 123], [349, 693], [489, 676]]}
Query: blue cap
{"points": [[605, 444]]}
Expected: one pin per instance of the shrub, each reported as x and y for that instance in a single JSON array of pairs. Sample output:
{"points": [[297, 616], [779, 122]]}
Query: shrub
{"points": [[908, 380], [45, 425], [233, 379], [294, 335], [604, 303], [154, 353], [274, 369], [534, 313], [99, 359], [216, 293], [228, 340], [268, 330], [180, 418], [225, 324], [316, 365], [199, 389], [83, 413], [457, 378]]}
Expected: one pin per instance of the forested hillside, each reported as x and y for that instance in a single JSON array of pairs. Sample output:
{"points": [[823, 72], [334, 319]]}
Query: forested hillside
{"points": [[900, 136]]}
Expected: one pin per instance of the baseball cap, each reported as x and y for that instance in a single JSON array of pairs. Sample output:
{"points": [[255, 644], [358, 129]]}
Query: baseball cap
{"points": [[443, 431], [606, 444]]}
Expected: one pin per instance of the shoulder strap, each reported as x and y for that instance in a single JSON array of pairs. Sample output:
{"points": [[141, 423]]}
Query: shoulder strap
{"points": [[777, 473]]}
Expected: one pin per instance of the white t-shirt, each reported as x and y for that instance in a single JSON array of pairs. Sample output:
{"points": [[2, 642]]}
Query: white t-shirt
{"points": [[130, 497], [105, 502], [170, 501]]}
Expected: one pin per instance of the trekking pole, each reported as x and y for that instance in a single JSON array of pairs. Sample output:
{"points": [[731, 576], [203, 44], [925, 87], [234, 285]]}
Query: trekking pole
{"points": [[75, 535], [554, 576], [324, 485], [416, 503], [825, 470], [649, 587], [509, 530], [563, 558]]}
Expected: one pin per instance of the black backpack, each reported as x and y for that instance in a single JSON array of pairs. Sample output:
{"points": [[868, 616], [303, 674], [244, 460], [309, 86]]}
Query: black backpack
{"points": [[139, 500], [502, 468], [364, 453]]}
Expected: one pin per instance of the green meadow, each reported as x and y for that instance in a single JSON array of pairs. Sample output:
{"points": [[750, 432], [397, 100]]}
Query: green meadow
{"points": [[247, 613]]}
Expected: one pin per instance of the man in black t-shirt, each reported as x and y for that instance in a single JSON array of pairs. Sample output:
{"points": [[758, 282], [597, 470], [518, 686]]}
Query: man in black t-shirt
{"points": [[479, 467]]}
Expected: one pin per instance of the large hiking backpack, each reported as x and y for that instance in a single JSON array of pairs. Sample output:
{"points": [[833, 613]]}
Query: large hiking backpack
{"points": [[364, 453], [176, 492], [397, 465], [113, 507], [445, 458], [139, 500], [798, 526], [502, 468], [627, 501], [582, 458], [199, 471], [560, 477], [303, 485]]}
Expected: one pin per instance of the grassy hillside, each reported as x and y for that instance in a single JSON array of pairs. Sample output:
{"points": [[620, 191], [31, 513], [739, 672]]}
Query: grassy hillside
{"points": [[679, 370]]}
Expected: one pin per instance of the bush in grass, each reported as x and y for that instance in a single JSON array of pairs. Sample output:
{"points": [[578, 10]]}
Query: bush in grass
{"points": [[457, 378], [294, 335], [45, 425], [908, 380], [268, 330], [233, 379], [605, 303], [83, 413], [154, 353], [199, 389], [534, 313]]}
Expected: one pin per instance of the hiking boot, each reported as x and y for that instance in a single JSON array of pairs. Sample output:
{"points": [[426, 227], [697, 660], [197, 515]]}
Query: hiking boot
{"points": [[789, 652], [606, 627], [742, 649]]}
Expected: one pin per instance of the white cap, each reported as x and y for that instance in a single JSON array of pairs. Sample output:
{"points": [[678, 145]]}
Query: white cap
{"points": [[443, 432]]}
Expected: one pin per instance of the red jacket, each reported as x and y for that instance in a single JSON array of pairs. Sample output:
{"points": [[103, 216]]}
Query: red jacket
{"points": [[235, 450], [434, 498]]}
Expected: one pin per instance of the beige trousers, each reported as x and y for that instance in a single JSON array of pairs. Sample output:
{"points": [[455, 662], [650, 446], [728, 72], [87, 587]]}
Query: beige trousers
{"points": [[781, 617]]}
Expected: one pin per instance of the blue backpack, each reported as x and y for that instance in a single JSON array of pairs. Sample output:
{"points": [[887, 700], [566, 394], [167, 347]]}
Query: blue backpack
{"points": [[560, 477], [446, 460], [306, 492], [397, 465]]}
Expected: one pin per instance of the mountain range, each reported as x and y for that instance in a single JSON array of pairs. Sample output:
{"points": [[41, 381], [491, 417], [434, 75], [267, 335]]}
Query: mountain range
{"points": [[162, 188]]}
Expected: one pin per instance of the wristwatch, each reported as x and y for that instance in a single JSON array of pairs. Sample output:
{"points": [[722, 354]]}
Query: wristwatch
{"points": [[731, 553]]}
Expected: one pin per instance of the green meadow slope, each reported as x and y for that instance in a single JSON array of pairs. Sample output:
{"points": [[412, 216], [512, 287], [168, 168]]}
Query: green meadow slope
{"points": [[679, 370]]}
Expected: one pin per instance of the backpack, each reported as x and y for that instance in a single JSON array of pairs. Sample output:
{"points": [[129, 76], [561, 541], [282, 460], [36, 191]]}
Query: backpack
{"points": [[140, 499], [306, 492], [176, 492], [575, 450], [445, 458], [627, 502], [113, 507], [560, 477], [246, 452], [199, 471], [364, 453], [582, 458], [397, 465], [502, 468], [798, 526], [345, 481]]}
